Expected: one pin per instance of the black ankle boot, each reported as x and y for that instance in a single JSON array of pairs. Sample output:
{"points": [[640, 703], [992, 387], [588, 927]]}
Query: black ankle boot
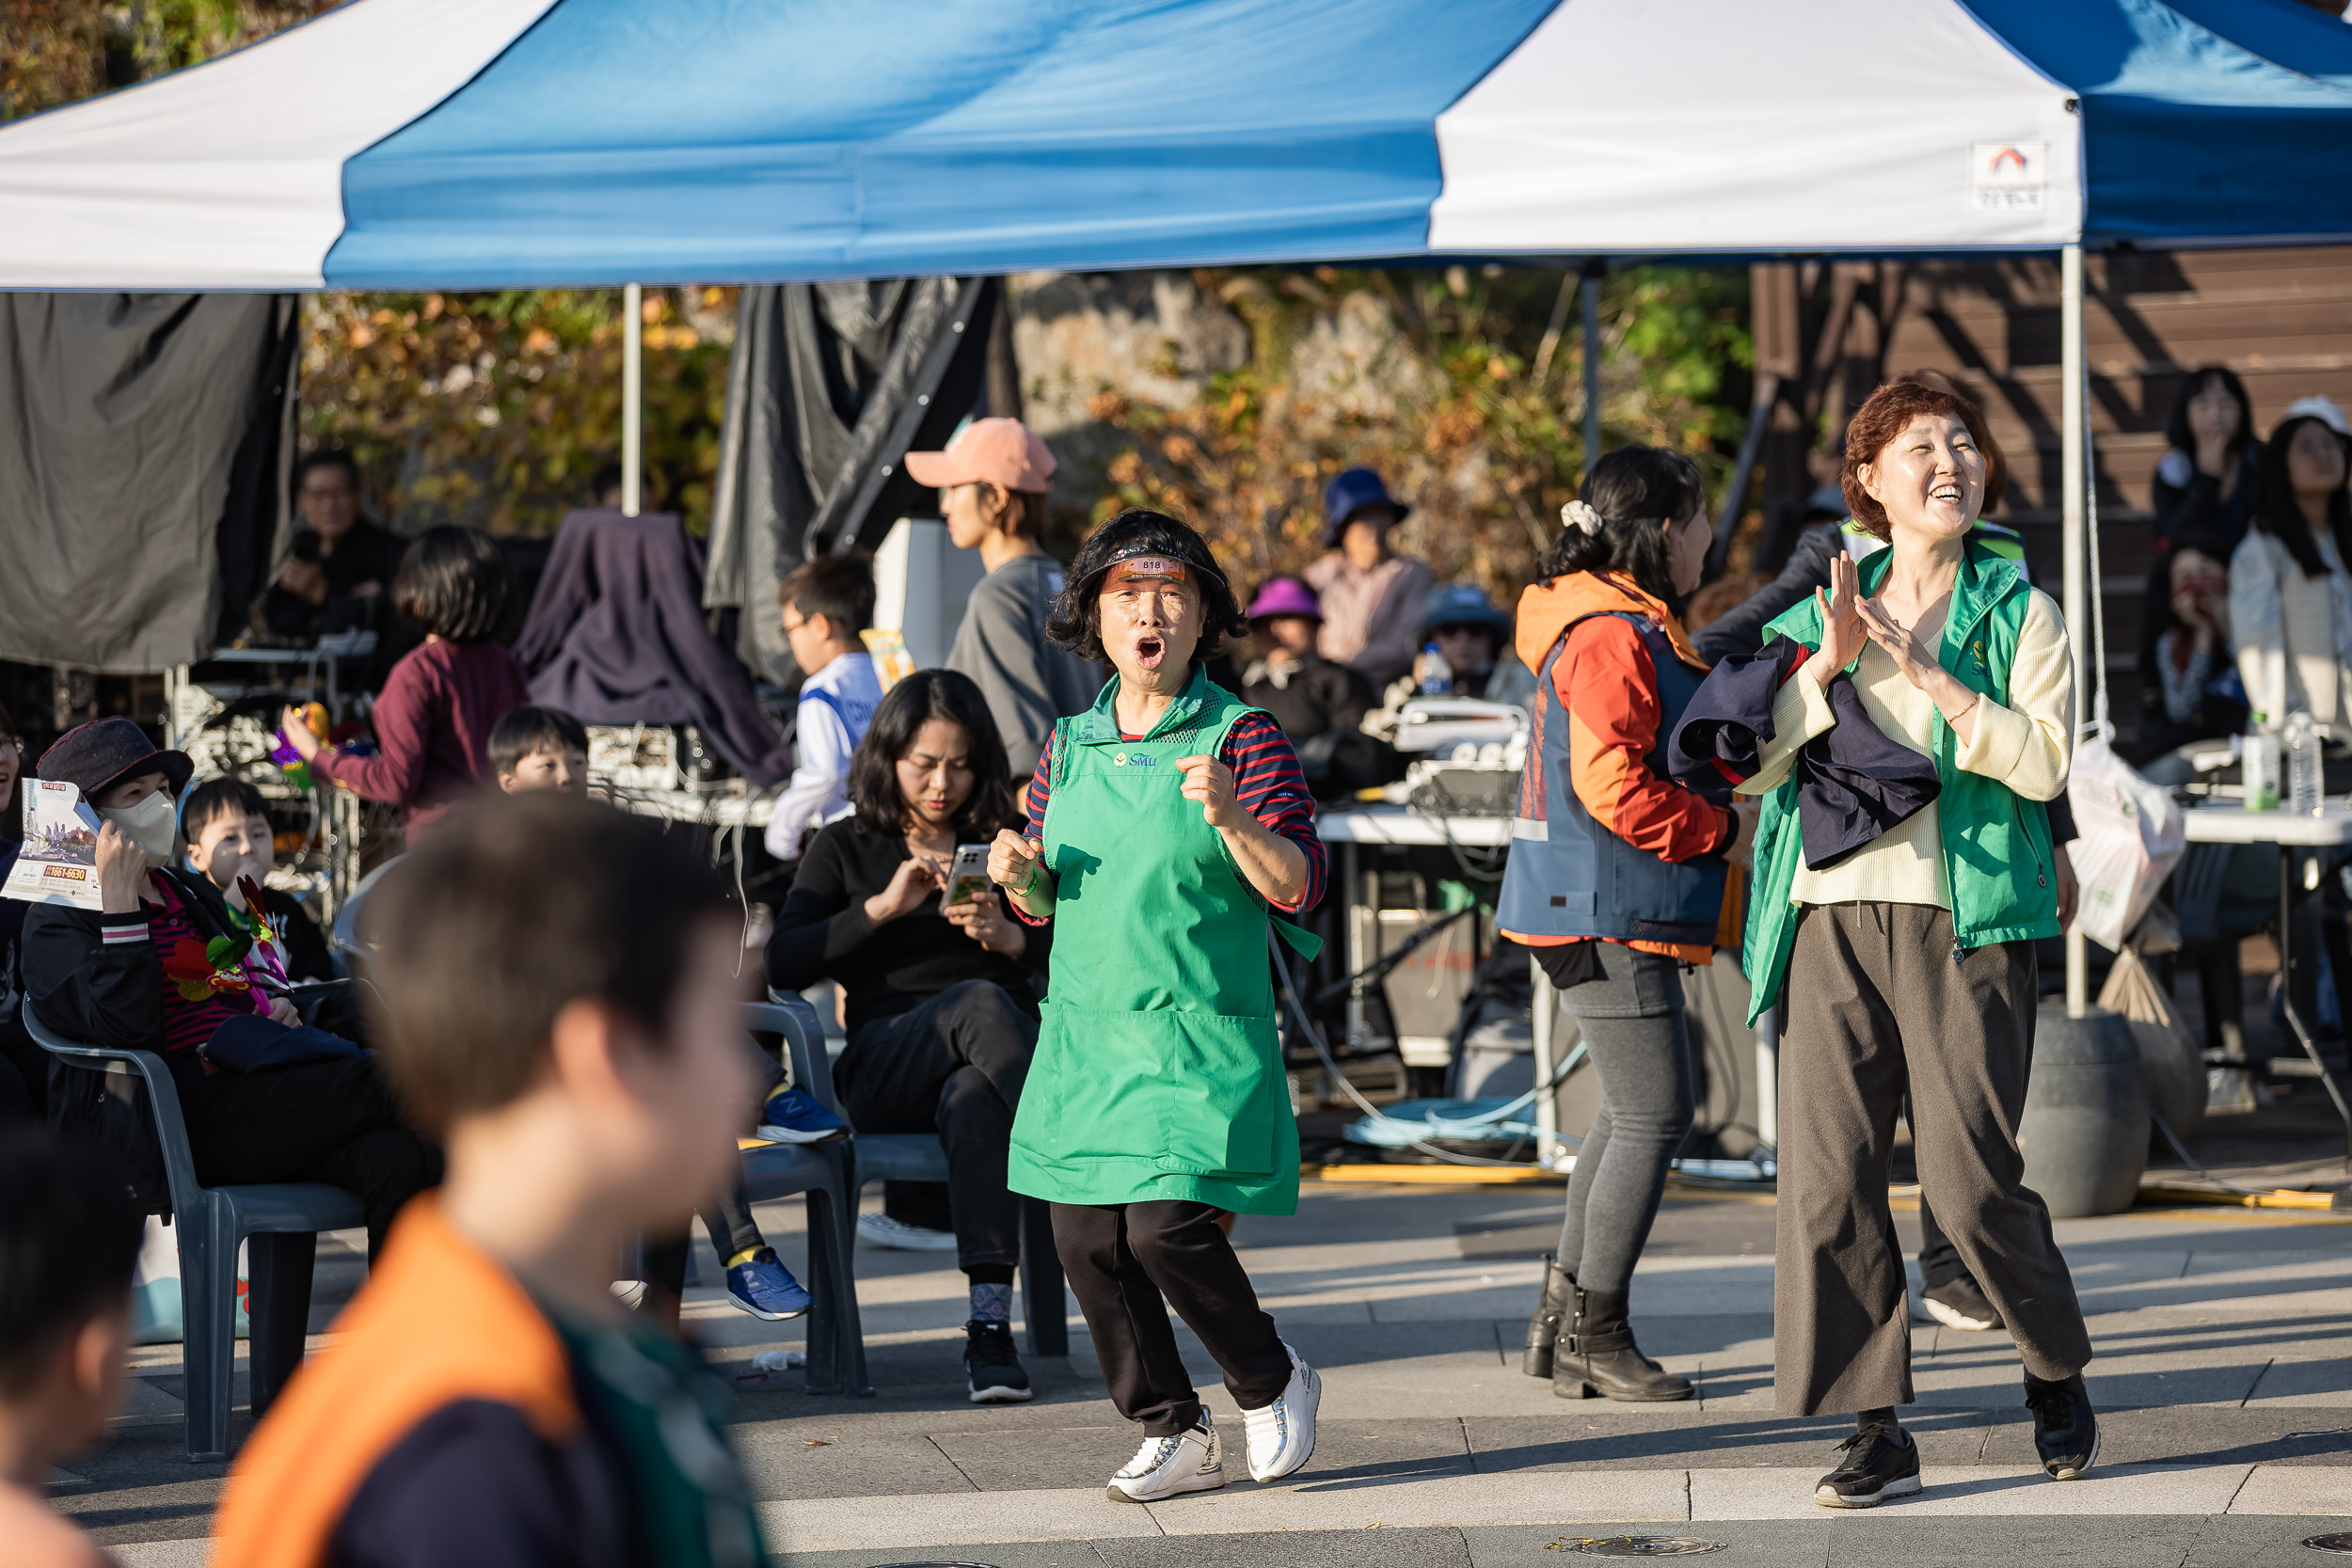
{"points": [[1597, 1356], [1551, 1313]]}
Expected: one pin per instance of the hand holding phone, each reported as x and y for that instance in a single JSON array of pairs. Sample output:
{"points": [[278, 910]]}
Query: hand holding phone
{"points": [[969, 878]]}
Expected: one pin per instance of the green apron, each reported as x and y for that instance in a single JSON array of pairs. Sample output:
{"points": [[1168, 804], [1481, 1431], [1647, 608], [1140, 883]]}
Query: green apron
{"points": [[1158, 1071]]}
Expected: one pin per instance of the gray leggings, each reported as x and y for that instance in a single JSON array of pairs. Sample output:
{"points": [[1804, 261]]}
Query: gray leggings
{"points": [[1633, 1026]]}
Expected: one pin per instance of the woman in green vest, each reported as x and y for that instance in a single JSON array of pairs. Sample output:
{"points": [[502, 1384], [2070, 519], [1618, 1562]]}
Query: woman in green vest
{"points": [[1168, 826], [1909, 962]]}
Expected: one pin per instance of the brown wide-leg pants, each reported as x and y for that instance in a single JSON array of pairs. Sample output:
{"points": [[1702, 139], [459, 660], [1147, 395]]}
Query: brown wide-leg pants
{"points": [[1879, 1002]]}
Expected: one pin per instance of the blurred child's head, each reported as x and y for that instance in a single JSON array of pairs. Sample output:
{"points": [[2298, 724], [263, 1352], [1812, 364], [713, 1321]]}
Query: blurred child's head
{"points": [[227, 827], [69, 1240], [826, 603], [548, 960], [540, 748]]}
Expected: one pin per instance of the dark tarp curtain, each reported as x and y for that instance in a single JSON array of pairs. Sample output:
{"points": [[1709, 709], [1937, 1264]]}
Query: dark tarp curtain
{"points": [[616, 637], [146, 439], [830, 384]]}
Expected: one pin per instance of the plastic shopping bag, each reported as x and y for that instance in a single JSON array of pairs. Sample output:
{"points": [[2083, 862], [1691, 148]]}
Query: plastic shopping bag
{"points": [[2132, 837]]}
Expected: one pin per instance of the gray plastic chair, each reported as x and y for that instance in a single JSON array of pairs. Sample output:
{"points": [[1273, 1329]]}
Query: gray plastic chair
{"points": [[827, 1173], [279, 1221], [920, 1157]]}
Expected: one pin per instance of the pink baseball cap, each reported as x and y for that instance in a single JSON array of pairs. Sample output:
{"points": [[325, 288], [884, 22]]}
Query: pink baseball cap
{"points": [[1002, 452]]}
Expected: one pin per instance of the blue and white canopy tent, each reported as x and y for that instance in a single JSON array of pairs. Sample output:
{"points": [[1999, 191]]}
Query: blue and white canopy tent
{"points": [[490, 143], [463, 144]]}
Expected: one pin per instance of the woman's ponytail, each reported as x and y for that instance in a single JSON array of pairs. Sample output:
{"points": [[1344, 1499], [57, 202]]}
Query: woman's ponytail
{"points": [[1615, 526]]}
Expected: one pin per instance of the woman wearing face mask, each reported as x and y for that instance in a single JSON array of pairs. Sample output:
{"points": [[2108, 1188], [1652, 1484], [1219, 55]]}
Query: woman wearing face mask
{"points": [[1615, 881], [1169, 827], [1908, 960], [135, 976]]}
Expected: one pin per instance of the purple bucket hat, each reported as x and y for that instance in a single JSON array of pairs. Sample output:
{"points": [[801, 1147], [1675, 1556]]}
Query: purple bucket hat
{"points": [[1285, 597]]}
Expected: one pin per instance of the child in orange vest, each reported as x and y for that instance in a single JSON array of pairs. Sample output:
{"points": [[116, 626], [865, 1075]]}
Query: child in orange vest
{"points": [[560, 1005]]}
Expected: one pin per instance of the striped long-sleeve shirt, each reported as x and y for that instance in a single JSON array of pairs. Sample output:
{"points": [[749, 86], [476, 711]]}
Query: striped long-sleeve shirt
{"points": [[1267, 782]]}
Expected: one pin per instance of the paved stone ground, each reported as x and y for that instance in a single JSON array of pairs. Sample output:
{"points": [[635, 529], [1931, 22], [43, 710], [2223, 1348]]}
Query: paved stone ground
{"points": [[2224, 1379]]}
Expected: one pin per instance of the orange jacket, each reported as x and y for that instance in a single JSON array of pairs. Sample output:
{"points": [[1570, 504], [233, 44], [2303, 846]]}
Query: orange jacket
{"points": [[437, 1322], [1608, 686]]}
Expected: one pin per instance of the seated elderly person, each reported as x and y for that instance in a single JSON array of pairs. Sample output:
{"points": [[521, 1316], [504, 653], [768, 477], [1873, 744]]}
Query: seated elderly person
{"points": [[1320, 705], [136, 975]]}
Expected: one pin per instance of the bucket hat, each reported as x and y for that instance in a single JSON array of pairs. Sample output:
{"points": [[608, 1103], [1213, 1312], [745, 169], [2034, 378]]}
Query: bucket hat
{"points": [[104, 752], [1285, 597], [1349, 493], [1464, 604]]}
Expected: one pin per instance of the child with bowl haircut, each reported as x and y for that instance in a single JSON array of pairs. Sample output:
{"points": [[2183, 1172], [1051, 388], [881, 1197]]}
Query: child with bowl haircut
{"points": [[535, 747], [559, 1002]]}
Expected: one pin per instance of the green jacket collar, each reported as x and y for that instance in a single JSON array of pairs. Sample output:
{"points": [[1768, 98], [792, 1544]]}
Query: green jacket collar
{"points": [[1986, 578], [1099, 725]]}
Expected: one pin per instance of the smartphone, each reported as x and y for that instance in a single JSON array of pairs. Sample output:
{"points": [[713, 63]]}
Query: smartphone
{"points": [[968, 879]]}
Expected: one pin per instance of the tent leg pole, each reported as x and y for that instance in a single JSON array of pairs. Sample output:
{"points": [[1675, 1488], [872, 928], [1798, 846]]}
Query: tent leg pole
{"points": [[1592, 363], [632, 398], [2071, 514]]}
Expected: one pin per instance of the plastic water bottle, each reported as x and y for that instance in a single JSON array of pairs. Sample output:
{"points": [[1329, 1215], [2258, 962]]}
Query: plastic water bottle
{"points": [[1432, 673], [2258, 765], [2302, 749]]}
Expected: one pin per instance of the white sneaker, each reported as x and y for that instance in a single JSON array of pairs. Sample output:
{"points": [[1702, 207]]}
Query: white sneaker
{"points": [[883, 1231], [1282, 1434], [1168, 1466]]}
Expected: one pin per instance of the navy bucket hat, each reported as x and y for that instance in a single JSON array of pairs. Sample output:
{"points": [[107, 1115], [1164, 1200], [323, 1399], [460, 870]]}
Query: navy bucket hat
{"points": [[1349, 493]]}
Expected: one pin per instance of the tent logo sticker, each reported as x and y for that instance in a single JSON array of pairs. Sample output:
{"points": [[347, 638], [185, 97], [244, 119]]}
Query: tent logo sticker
{"points": [[2008, 177]]}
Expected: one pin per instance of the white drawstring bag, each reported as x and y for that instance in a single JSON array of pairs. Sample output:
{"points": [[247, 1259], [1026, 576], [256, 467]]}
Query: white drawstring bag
{"points": [[2132, 837]]}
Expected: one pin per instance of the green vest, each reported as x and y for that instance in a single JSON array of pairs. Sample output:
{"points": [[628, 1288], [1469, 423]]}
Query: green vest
{"points": [[1997, 858], [2007, 542], [1158, 1072]]}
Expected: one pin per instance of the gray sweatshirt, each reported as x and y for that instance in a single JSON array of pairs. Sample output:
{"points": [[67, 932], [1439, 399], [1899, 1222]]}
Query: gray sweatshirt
{"points": [[1028, 682]]}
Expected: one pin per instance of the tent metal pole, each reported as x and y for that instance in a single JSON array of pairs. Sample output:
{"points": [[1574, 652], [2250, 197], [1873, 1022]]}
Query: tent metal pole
{"points": [[633, 397], [2070, 520], [1593, 270]]}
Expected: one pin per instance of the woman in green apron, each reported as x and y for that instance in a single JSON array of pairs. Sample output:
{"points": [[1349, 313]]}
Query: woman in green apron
{"points": [[1168, 824]]}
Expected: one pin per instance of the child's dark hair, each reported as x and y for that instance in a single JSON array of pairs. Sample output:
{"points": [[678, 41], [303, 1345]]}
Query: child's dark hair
{"points": [[838, 587], [452, 583], [533, 728], [925, 695], [1634, 489], [516, 907], [217, 797], [1077, 620], [69, 1240], [2279, 514]]}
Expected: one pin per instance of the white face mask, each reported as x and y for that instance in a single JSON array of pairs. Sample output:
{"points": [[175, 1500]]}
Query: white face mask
{"points": [[150, 822]]}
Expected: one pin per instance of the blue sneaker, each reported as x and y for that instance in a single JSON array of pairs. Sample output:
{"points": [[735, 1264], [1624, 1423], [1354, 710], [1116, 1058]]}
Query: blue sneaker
{"points": [[766, 1288], [797, 1116]]}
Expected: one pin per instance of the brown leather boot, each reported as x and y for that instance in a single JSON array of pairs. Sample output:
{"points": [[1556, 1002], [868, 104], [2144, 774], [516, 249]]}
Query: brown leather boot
{"points": [[1543, 1330], [1597, 1356]]}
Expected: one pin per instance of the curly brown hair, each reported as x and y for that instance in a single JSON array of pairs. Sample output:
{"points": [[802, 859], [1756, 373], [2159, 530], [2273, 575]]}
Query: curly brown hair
{"points": [[1884, 415]]}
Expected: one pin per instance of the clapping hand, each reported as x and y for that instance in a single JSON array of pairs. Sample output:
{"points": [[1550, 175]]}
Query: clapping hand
{"points": [[1914, 657], [1842, 630]]}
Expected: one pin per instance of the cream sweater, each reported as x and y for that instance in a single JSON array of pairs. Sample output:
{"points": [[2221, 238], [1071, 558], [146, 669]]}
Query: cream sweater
{"points": [[2026, 745]]}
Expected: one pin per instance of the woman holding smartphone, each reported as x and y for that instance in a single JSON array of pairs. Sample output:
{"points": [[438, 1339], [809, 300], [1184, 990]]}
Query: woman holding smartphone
{"points": [[1170, 831], [940, 1002]]}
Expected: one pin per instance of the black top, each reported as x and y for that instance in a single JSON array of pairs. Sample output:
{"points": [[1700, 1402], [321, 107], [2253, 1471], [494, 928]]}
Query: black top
{"points": [[823, 934], [473, 1485], [367, 554], [1318, 697]]}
